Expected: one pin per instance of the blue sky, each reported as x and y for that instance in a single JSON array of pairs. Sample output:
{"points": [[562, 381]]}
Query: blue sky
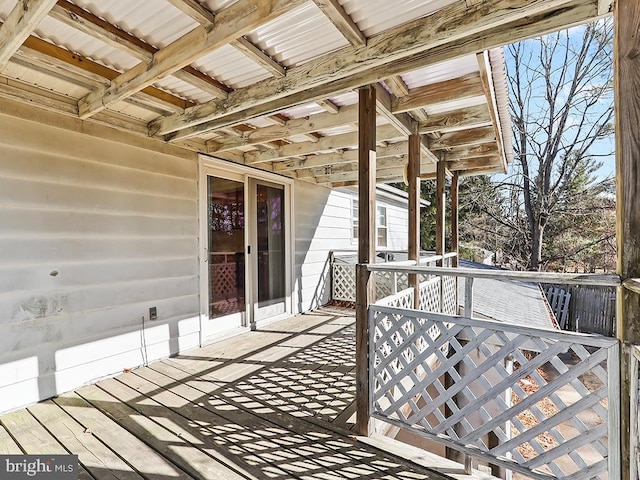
{"points": [[602, 149]]}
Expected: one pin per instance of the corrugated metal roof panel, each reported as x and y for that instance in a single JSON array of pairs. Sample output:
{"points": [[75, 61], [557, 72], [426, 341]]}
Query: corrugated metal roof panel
{"points": [[217, 5], [348, 98], [5, 7], [39, 78], [183, 89], [499, 74], [231, 67], [73, 40], [298, 36], [303, 110], [375, 16], [441, 72], [443, 107], [162, 26]]}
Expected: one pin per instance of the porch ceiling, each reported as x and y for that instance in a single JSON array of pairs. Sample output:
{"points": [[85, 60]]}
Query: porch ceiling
{"points": [[271, 83]]}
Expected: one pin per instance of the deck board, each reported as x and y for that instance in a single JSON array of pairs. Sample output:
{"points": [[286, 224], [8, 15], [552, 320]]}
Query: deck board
{"points": [[100, 461], [271, 404]]}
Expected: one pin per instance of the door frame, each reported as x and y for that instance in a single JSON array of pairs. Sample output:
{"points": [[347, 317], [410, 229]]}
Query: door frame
{"points": [[207, 166]]}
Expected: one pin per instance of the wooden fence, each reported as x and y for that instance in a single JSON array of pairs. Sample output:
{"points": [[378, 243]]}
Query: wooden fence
{"points": [[591, 309]]}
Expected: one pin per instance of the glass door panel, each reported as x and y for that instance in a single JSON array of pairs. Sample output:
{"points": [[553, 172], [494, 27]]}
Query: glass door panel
{"points": [[226, 247], [270, 250]]}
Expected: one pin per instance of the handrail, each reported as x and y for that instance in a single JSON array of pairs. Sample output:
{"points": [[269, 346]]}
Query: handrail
{"points": [[603, 280]]}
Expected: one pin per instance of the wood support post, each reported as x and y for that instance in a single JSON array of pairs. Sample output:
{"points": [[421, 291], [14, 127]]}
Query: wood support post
{"points": [[440, 208], [366, 250], [413, 176], [455, 228], [627, 103]]}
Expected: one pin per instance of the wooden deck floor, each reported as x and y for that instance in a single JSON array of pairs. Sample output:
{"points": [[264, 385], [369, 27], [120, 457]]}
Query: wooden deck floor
{"points": [[273, 404]]}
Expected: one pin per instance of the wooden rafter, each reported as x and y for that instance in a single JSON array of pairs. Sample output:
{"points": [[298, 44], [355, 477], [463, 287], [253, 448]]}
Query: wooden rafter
{"points": [[329, 106], [403, 122], [79, 62], [334, 142], [200, 14], [260, 57], [343, 22], [95, 26], [474, 136], [295, 126], [397, 86], [476, 116], [231, 23], [21, 21], [195, 10], [338, 158], [459, 88], [421, 42], [473, 151]]}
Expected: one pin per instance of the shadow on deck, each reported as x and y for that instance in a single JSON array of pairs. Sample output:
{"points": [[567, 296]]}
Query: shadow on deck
{"points": [[276, 403]]}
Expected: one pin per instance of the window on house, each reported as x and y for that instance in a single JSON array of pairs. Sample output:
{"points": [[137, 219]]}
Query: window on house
{"points": [[381, 223], [354, 219]]}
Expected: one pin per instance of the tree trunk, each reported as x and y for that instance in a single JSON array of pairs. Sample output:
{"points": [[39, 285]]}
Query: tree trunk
{"points": [[537, 233]]}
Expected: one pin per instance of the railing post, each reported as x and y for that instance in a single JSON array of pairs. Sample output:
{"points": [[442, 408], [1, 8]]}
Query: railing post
{"points": [[366, 249], [332, 258], [364, 296], [468, 297], [627, 106]]}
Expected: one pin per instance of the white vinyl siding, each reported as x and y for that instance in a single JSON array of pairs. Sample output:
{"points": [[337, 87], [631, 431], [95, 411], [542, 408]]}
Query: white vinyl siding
{"points": [[94, 233]]}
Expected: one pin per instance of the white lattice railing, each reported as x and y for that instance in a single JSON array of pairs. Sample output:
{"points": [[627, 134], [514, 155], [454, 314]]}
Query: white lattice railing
{"points": [[549, 417], [435, 291]]}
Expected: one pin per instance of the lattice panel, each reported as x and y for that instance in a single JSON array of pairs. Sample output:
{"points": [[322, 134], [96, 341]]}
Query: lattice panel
{"points": [[344, 282], [403, 299], [449, 295], [538, 397], [430, 295], [224, 280]]}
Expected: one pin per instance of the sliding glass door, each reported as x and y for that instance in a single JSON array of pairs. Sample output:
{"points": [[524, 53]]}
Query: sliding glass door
{"points": [[270, 251], [226, 249], [246, 251]]}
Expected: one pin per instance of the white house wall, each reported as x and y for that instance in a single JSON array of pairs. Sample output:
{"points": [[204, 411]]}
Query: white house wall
{"points": [[323, 223], [93, 233]]}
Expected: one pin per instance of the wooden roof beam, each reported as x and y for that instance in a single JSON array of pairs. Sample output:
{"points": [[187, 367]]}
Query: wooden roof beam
{"points": [[295, 126], [328, 105], [203, 16], [258, 56], [195, 10], [469, 164], [98, 71], [342, 21], [231, 23], [402, 121], [384, 173], [464, 138], [471, 151], [334, 142], [92, 25], [476, 116], [458, 88], [21, 21], [425, 42], [348, 156], [397, 86]]}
